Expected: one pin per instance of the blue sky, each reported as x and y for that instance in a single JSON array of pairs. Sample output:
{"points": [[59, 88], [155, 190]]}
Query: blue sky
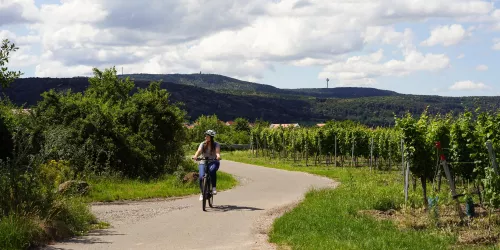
{"points": [[287, 44]]}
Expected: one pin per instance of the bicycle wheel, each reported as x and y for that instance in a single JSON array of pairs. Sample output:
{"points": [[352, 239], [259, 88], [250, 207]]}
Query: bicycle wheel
{"points": [[204, 193], [210, 195]]}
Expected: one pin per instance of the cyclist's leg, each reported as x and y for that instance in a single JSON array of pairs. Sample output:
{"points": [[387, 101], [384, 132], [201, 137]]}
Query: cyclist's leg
{"points": [[214, 166], [201, 172]]}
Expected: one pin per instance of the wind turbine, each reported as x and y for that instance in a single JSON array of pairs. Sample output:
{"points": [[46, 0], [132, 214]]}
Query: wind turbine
{"points": [[327, 80]]}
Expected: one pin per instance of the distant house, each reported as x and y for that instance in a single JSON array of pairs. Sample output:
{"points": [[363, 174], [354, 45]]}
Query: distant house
{"points": [[23, 111], [293, 125], [320, 124], [229, 123]]}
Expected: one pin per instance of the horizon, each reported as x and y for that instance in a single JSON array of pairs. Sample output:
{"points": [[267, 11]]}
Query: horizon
{"points": [[368, 87], [445, 48]]}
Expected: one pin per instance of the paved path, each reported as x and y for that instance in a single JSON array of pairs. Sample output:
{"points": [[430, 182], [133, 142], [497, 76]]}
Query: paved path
{"points": [[238, 220]]}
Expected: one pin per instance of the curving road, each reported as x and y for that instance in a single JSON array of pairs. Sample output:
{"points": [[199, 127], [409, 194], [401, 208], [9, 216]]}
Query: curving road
{"points": [[239, 220]]}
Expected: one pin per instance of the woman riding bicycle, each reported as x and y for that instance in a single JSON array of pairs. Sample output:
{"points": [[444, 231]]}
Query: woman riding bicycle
{"points": [[211, 149]]}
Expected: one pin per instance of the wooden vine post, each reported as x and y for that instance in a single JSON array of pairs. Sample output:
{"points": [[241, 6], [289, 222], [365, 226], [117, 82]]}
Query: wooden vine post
{"points": [[402, 157], [371, 154], [406, 180], [492, 156], [451, 182], [352, 153], [335, 150]]}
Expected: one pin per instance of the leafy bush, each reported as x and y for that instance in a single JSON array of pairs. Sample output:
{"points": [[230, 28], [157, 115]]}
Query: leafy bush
{"points": [[106, 129], [20, 184], [6, 145], [55, 173]]}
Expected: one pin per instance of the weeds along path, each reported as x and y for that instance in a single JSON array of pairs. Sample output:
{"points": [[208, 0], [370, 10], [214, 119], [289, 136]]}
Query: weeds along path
{"points": [[239, 220]]}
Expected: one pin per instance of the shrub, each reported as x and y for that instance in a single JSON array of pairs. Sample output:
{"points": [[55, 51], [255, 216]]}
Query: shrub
{"points": [[55, 172], [6, 144], [106, 129]]}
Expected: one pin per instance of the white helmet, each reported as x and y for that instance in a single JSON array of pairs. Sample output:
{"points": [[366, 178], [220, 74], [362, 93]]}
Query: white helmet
{"points": [[210, 132]]}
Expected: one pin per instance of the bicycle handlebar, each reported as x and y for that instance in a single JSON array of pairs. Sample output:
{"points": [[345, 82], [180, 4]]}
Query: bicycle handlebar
{"points": [[204, 158]]}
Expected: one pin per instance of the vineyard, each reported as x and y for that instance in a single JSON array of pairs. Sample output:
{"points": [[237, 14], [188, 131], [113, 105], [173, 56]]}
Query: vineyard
{"points": [[453, 148], [336, 144]]}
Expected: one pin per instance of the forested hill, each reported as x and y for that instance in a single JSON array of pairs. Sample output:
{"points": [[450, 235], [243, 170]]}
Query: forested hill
{"points": [[373, 107], [230, 85], [197, 101]]}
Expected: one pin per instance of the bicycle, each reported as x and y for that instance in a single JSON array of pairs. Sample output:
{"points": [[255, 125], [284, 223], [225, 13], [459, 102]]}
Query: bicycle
{"points": [[206, 184]]}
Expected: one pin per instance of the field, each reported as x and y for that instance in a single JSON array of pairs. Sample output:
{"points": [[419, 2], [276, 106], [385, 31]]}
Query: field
{"points": [[368, 211]]}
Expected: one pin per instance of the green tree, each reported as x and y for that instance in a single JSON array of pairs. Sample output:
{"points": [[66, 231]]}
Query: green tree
{"points": [[7, 77], [204, 123], [106, 86], [241, 124], [261, 123]]}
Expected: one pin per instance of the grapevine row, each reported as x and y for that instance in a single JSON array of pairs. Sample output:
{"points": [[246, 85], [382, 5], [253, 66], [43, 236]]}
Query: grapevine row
{"points": [[412, 141], [321, 144]]}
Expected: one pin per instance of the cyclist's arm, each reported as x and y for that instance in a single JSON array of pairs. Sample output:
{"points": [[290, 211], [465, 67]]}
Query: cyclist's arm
{"points": [[198, 152], [217, 151]]}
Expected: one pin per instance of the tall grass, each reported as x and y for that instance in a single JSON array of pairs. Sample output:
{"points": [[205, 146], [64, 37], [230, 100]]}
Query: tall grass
{"points": [[19, 232], [67, 217]]}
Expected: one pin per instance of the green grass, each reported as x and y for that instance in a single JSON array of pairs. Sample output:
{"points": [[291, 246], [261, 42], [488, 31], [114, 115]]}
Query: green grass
{"points": [[67, 217], [18, 232], [112, 189], [330, 219]]}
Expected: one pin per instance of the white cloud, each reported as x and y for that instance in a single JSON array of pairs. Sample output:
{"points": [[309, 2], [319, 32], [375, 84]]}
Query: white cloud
{"points": [[24, 56], [387, 35], [362, 70], [462, 55], [481, 67], [495, 17], [469, 85], [446, 35], [17, 11], [308, 61], [57, 69], [19, 41], [236, 38]]}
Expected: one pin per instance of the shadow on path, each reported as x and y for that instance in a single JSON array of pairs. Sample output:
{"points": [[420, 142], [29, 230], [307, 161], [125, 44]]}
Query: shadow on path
{"points": [[91, 238], [227, 208]]}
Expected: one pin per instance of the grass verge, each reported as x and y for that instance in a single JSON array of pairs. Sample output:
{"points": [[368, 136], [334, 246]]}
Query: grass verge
{"points": [[112, 189], [342, 218]]}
